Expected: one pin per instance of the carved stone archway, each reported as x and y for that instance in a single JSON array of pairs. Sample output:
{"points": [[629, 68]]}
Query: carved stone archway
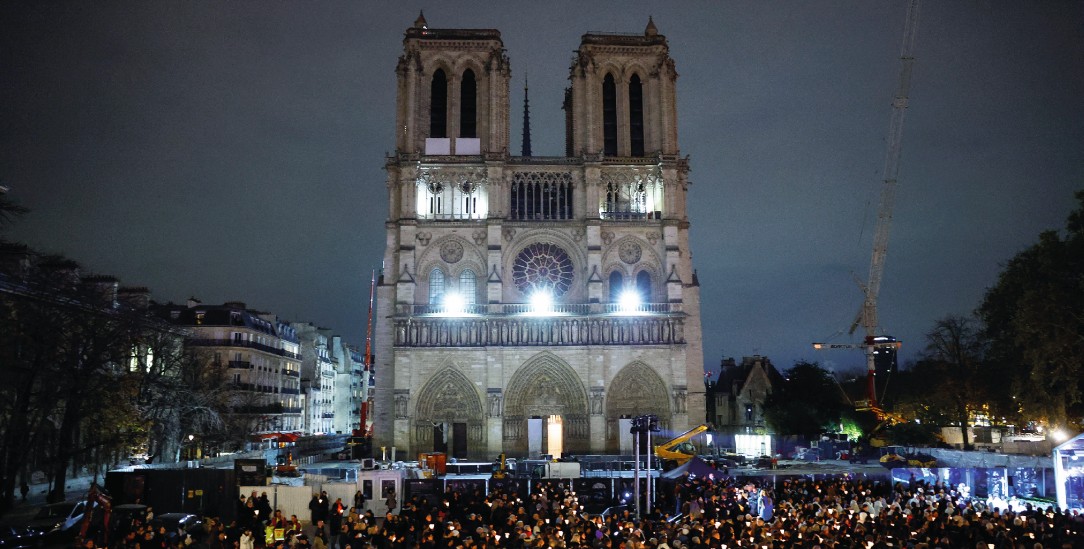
{"points": [[449, 397], [636, 390], [546, 385]]}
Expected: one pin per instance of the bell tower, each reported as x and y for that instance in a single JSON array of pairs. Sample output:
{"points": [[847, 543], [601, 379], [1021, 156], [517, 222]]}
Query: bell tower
{"points": [[453, 92], [621, 100]]}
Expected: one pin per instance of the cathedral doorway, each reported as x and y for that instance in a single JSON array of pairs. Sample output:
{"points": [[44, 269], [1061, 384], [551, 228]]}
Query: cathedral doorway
{"points": [[451, 439], [545, 436], [546, 409], [449, 416], [636, 390]]}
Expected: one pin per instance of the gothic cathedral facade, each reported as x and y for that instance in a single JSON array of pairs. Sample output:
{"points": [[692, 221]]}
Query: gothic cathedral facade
{"points": [[531, 305]]}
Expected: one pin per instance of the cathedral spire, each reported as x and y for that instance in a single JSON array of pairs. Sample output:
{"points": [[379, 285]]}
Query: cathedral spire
{"points": [[526, 119], [651, 30], [420, 23]]}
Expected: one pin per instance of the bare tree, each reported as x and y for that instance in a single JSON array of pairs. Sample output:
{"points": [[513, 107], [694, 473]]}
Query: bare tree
{"points": [[955, 350]]}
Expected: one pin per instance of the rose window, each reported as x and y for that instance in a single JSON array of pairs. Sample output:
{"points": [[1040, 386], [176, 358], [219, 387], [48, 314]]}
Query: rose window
{"points": [[542, 266]]}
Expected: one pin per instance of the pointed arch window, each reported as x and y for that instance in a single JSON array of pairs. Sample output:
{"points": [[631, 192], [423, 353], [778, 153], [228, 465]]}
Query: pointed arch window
{"points": [[643, 286], [541, 196], [436, 286], [438, 105], [468, 287], [609, 116], [468, 105], [617, 283], [636, 116]]}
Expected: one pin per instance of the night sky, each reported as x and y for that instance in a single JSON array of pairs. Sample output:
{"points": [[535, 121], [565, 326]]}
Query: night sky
{"points": [[235, 150]]}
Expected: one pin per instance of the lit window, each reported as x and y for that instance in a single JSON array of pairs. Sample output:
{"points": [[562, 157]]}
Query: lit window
{"points": [[617, 283], [643, 285], [468, 286], [436, 286]]}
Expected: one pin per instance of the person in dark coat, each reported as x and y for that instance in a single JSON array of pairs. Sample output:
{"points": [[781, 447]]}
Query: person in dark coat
{"points": [[314, 508]]}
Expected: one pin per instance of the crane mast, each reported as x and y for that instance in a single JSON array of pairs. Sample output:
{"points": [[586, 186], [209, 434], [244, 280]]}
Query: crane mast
{"points": [[867, 315], [870, 289]]}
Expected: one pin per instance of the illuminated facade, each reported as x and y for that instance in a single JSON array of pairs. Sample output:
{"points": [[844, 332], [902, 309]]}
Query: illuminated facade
{"points": [[528, 304]]}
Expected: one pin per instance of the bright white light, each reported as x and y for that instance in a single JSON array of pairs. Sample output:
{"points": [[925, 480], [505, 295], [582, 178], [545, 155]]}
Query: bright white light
{"points": [[628, 301], [541, 303], [454, 304], [1058, 435]]}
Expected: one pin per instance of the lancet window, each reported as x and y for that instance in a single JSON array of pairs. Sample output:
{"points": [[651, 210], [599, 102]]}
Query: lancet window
{"points": [[468, 105], [617, 284], [468, 287], [438, 105], [643, 285], [541, 196], [436, 286], [609, 116], [636, 116]]}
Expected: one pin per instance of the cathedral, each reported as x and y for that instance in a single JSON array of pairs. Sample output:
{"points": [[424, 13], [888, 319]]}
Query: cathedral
{"points": [[532, 305]]}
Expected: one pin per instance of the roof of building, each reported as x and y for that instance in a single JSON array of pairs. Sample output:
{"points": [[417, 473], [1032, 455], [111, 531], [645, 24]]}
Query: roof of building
{"points": [[733, 376], [229, 314]]}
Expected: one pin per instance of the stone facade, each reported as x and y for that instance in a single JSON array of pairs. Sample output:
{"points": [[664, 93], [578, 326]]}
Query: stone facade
{"points": [[260, 356], [468, 356], [740, 393]]}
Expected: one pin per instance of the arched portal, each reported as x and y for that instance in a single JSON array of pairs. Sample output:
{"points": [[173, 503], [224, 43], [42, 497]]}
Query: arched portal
{"points": [[449, 416], [635, 391], [546, 388]]}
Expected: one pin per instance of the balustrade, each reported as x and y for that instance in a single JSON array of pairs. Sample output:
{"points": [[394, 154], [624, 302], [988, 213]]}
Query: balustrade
{"points": [[435, 331]]}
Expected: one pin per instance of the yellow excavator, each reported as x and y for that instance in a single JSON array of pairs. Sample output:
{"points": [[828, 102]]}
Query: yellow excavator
{"points": [[678, 450]]}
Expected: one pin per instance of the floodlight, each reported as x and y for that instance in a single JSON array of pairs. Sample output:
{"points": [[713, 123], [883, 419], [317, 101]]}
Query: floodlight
{"points": [[454, 304], [629, 301], [541, 303]]}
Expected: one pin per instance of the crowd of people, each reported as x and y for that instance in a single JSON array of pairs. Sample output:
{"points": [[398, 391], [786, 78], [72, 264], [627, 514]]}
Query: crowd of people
{"points": [[696, 513]]}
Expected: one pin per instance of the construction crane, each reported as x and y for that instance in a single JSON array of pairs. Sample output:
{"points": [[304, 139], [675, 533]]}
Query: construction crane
{"points": [[867, 315]]}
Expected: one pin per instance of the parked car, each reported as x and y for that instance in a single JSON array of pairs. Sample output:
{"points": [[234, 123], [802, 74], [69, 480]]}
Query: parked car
{"points": [[20, 537], [178, 523], [59, 520]]}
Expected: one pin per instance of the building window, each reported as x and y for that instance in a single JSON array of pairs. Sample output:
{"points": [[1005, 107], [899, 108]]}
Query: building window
{"points": [[636, 116], [541, 196], [609, 116], [748, 412], [616, 283], [630, 196], [436, 286], [643, 286], [438, 105], [468, 109], [468, 286], [439, 197]]}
